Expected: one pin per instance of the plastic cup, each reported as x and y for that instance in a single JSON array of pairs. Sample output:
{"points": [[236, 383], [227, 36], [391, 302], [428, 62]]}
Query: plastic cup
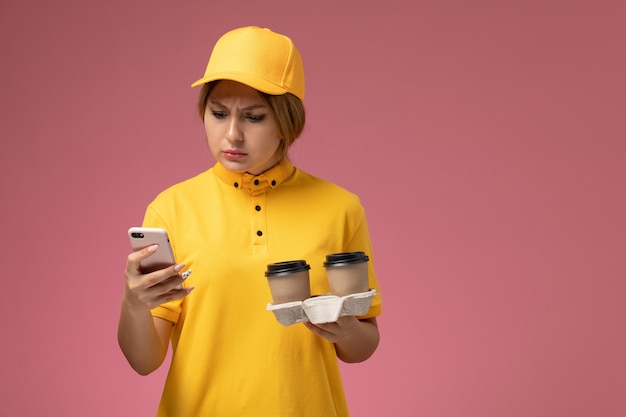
{"points": [[288, 281], [347, 273]]}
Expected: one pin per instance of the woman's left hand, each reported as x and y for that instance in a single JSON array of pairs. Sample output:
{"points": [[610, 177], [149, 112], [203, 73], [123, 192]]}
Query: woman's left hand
{"points": [[334, 332], [355, 340]]}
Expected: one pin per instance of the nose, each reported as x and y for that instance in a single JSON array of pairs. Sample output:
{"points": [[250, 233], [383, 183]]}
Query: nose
{"points": [[233, 131]]}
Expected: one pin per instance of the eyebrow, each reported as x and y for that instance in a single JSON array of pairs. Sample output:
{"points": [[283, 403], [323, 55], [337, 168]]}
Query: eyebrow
{"points": [[251, 107]]}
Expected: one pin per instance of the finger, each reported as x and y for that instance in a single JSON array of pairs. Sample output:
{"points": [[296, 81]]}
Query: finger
{"points": [[171, 295], [172, 282], [132, 264], [312, 327], [320, 330], [163, 276], [327, 327]]}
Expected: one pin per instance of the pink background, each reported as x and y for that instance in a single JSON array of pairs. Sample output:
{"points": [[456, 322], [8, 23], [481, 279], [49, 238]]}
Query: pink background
{"points": [[487, 140]]}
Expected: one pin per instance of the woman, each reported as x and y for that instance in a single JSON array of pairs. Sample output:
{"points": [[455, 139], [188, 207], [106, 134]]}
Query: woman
{"points": [[230, 356]]}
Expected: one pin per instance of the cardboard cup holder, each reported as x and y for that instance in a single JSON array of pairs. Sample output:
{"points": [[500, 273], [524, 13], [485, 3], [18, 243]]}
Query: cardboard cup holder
{"points": [[325, 308]]}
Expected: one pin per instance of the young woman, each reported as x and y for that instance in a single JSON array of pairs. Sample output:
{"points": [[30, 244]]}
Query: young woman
{"points": [[231, 357]]}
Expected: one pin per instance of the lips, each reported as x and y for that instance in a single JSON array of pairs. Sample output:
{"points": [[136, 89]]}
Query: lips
{"points": [[234, 154]]}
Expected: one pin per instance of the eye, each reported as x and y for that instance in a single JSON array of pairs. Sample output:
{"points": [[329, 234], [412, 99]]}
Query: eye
{"points": [[255, 117], [218, 114]]}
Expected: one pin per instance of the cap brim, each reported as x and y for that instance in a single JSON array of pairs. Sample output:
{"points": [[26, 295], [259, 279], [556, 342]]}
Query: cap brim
{"points": [[254, 82]]}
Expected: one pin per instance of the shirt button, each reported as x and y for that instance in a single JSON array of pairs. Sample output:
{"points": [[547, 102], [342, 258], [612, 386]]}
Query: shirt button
{"points": [[257, 208], [236, 185], [259, 233], [273, 183], [256, 182]]}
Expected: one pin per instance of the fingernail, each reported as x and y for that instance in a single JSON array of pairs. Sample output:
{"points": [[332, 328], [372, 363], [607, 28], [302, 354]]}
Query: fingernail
{"points": [[185, 274], [189, 289], [153, 248], [178, 267]]}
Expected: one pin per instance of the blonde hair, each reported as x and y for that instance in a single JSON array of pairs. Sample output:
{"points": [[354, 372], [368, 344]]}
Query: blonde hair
{"points": [[288, 111]]}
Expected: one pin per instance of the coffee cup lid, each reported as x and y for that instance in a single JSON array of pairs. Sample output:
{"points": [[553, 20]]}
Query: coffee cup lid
{"points": [[287, 267], [345, 258]]}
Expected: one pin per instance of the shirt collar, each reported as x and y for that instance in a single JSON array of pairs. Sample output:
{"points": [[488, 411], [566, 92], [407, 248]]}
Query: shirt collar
{"points": [[256, 184]]}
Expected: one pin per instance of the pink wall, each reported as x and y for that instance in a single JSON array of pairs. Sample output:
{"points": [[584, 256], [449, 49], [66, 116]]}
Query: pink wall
{"points": [[487, 140]]}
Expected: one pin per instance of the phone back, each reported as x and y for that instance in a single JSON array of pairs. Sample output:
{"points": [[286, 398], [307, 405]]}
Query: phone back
{"points": [[141, 237]]}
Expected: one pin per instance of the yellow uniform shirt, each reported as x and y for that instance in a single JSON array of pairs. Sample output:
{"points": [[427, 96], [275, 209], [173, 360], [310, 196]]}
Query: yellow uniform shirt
{"points": [[231, 357]]}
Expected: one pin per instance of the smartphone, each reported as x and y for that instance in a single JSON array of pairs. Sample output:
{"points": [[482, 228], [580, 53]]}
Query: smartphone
{"points": [[141, 237]]}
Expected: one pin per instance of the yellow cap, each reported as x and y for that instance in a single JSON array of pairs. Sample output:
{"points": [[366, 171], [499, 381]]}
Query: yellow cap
{"points": [[261, 59]]}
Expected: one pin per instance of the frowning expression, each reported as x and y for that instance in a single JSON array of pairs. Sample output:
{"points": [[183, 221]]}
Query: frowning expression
{"points": [[241, 129]]}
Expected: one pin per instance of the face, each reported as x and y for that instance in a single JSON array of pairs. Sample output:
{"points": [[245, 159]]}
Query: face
{"points": [[240, 128]]}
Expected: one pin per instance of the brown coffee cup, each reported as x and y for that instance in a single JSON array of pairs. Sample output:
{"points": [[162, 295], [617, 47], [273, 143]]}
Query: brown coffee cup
{"points": [[347, 273], [288, 281]]}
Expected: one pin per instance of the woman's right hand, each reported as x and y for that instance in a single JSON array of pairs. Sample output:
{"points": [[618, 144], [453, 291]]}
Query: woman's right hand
{"points": [[155, 288]]}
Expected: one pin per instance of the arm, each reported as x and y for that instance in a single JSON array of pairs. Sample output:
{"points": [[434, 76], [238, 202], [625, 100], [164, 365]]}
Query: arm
{"points": [[355, 340], [143, 339]]}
